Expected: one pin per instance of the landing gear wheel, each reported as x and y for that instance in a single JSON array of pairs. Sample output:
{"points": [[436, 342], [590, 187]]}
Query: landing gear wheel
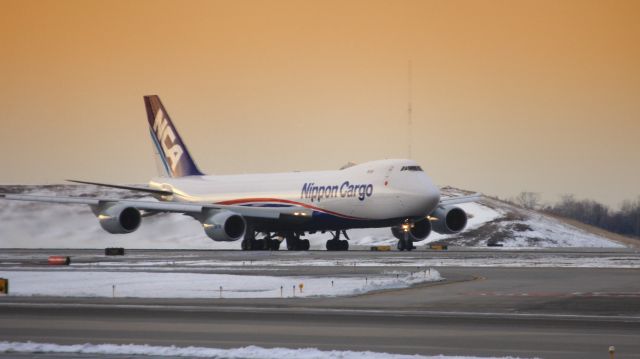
{"points": [[409, 245], [249, 240], [344, 245], [401, 245], [271, 244], [304, 245], [331, 245], [292, 243], [257, 245], [337, 245], [248, 244], [275, 245]]}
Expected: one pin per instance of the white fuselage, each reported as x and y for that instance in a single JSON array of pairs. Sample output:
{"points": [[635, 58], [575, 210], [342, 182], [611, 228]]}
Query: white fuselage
{"points": [[370, 192]]}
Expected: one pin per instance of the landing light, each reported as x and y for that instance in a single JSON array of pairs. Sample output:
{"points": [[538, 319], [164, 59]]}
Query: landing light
{"points": [[432, 218]]}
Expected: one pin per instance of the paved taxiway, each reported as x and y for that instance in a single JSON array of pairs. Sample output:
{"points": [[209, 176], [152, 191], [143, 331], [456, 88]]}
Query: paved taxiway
{"points": [[531, 311]]}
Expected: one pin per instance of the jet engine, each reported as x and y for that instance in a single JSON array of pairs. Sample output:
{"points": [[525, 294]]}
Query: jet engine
{"points": [[418, 232], [449, 220], [118, 219], [224, 226]]}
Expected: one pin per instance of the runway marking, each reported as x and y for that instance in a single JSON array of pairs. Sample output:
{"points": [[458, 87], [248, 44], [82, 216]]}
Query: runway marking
{"points": [[556, 294], [316, 311]]}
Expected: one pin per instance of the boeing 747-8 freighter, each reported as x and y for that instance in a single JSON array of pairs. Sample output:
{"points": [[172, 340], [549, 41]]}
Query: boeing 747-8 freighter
{"points": [[262, 210]]}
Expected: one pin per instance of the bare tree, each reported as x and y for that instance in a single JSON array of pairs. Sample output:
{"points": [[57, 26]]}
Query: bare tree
{"points": [[528, 200], [625, 221]]}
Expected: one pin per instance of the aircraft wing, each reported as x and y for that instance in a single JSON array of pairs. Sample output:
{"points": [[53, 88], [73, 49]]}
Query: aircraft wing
{"points": [[170, 207], [460, 199]]}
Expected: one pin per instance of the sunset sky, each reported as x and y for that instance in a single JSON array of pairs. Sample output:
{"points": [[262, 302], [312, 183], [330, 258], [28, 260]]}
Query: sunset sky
{"points": [[507, 96]]}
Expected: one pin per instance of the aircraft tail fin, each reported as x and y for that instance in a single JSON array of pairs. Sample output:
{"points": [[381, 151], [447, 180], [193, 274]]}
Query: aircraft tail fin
{"points": [[172, 155]]}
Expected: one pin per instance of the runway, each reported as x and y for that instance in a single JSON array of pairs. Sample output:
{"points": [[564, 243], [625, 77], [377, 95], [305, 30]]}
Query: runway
{"points": [[547, 312]]}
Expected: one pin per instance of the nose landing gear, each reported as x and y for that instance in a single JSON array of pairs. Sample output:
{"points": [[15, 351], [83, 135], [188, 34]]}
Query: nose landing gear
{"points": [[405, 241]]}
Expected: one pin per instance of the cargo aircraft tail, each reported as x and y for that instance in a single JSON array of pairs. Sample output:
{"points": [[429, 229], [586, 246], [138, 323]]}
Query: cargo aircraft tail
{"points": [[172, 157]]}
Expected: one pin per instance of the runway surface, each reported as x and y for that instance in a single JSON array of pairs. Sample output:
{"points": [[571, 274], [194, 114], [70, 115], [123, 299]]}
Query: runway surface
{"points": [[528, 311]]}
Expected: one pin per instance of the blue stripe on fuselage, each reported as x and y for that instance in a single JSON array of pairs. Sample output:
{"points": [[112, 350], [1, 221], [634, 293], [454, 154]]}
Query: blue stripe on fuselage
{"points": [[274, 205]]}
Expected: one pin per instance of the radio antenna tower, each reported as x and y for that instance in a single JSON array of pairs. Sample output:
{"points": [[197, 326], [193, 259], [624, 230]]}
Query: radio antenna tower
{"points": [[409, 107]]}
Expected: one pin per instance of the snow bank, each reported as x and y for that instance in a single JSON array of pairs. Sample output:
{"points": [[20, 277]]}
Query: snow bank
{"points": [[199, 285], [550, 261], [543, 231], [250, 352]]}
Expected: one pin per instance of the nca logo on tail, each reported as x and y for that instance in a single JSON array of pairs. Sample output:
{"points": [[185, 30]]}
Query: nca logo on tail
{"points": [[165, 134]]}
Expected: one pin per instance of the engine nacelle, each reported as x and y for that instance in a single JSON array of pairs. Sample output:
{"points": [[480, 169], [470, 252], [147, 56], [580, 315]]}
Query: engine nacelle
{"points": [[118, 219], [224, 226], [449, 220], [419, 231]]}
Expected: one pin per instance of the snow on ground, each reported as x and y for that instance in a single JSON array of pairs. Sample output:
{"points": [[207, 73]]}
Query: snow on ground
{"points": [[551, 230], [41, 225], [515, 227], [250, 352], [521, 260], [198, 285]]}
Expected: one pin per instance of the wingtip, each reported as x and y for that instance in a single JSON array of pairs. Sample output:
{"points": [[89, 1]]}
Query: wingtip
{"points": [[79, 182]]}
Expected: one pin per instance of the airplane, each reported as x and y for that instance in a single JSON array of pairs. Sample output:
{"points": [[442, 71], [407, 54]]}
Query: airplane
{"points": [[262, 210]]}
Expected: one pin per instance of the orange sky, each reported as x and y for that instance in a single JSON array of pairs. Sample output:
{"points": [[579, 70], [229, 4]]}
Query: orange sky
{"points": [[507, 95]]}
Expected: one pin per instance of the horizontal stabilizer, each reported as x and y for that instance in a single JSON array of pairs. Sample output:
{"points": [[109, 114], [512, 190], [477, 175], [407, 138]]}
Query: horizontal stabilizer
{"points": [[130, 188]]}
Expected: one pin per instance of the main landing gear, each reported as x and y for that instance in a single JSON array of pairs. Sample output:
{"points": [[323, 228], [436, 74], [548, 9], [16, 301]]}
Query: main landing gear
{"points": [[272, 241], [250, 243], [295, 243], [336, 244]]}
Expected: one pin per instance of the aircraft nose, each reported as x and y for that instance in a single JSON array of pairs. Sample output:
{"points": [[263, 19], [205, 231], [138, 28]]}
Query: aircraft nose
{"points": [[432, 196], [427, 194]]}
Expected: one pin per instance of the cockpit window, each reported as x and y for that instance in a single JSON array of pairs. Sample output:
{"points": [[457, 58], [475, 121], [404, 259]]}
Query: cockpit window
{"points": [[411, 168]]}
